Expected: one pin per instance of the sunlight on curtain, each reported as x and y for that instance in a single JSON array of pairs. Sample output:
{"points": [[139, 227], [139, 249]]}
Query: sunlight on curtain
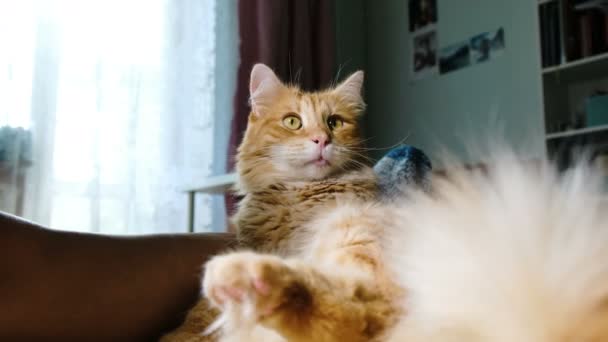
{"points": [[120, 100]]}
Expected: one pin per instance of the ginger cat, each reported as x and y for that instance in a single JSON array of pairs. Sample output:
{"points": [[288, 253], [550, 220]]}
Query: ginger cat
{"points": [[323, 281], [519, 253], [301, 157]]}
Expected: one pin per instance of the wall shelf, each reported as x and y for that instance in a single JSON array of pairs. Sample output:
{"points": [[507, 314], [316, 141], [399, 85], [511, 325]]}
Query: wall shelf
{"points": [[576, 132], [582, 69]]}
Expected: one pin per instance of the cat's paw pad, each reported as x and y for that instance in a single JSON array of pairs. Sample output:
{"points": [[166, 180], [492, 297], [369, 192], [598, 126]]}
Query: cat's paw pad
{"points": [[239, 278]]}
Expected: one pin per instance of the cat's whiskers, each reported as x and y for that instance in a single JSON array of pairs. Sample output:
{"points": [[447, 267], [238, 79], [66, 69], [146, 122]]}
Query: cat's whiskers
{"points": [[364, 149], [354, 153], [345, 165], [357, 142], [260, 161]]}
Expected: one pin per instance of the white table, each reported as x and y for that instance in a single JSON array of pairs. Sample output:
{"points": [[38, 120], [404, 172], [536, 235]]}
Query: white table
{"points": [[218, 185]]}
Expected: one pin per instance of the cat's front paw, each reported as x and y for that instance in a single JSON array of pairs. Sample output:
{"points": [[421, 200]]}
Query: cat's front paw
{"points": [[261, 281]]}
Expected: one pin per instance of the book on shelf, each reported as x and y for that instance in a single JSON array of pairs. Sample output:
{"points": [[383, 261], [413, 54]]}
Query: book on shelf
{"points": [[585, 35], [550, 30], [544, 41], [586, 27]]}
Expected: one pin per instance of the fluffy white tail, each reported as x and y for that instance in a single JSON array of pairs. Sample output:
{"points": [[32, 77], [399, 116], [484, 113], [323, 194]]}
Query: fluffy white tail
{"points": [[517, 254]]}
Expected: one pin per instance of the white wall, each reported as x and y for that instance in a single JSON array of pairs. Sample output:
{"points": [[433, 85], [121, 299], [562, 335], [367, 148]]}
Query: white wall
{"points": [[444, 110]]}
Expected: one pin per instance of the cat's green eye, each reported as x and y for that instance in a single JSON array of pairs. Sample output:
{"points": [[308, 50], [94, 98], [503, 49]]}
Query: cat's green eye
{"points": [[292, 121], [335, 122]]}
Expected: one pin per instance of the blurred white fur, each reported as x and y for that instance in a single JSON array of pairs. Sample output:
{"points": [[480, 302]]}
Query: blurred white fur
{"points": [[520, 254]]}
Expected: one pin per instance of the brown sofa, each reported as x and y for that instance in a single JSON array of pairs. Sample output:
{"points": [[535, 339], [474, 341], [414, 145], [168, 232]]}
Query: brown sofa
{"points": [[83, 287]]}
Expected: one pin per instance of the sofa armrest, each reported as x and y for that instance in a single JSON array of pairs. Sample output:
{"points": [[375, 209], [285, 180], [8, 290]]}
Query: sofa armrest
{"points": [[71, 286]]}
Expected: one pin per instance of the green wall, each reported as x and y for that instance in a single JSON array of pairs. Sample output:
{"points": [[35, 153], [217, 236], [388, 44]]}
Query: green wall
{"points": [[444, 110]]}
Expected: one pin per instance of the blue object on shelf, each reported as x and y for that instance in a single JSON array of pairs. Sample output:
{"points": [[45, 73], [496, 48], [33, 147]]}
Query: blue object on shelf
{"points": [[597, 110]]}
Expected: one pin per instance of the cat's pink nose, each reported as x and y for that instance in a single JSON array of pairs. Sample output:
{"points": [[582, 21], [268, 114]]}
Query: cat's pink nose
{"points": [[322, 141]]}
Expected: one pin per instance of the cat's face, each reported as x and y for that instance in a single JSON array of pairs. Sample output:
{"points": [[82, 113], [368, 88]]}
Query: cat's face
{"points": [[297, 136]]}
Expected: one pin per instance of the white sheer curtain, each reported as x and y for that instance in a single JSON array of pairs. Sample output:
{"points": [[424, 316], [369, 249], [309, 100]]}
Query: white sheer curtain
{"points": [[121, 103]]}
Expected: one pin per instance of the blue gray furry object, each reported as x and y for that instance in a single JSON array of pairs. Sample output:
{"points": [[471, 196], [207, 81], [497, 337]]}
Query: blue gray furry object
{"points": [[402, 169]]}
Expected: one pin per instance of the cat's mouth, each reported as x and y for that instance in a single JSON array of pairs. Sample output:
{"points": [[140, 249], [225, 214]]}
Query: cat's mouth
{"points": [[321, 162]]}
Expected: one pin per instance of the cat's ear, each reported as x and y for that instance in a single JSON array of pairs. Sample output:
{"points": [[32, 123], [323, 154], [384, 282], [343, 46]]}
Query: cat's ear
{"points": [[351, 89], [264, 88]]}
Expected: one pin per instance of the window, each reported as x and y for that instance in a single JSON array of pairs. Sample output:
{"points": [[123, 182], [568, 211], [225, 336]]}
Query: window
{"points": [[125, 103]]}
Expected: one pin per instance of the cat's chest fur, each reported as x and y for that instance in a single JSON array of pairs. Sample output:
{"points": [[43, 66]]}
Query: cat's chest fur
{"points": [[267, 218]]}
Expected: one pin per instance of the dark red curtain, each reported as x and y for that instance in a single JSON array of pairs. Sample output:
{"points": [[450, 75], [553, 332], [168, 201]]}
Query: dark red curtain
{"points": [[295, 38]]}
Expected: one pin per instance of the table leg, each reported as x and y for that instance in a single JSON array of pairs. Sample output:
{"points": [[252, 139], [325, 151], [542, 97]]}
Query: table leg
{"points": [[191, 196]]}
